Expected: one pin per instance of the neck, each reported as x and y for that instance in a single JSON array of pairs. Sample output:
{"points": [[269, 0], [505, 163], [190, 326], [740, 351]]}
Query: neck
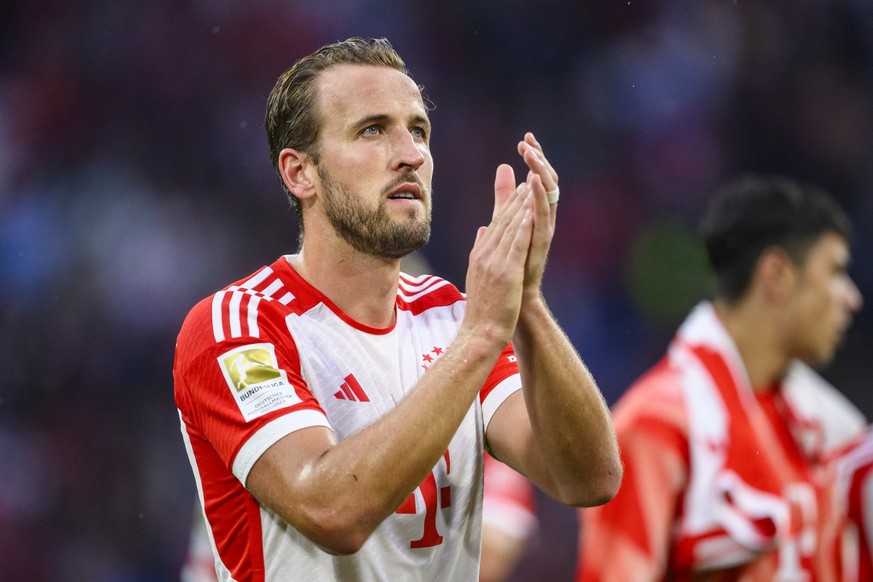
{"points": [[756, 329], [364, 287]]}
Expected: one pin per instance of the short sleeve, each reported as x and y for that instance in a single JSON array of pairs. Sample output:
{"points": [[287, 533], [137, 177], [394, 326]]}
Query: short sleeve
{"points": [[244, 393], [502, 382]]}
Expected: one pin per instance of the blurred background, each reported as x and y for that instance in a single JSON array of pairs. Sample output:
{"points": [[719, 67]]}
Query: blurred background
{"points": [[135, 180]]}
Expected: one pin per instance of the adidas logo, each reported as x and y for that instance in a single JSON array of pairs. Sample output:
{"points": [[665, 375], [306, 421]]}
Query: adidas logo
{"points": [[352, 390]]}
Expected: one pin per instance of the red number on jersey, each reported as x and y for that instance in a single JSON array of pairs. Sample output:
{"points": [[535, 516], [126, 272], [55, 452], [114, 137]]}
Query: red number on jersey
{"points": [[428, 488]]}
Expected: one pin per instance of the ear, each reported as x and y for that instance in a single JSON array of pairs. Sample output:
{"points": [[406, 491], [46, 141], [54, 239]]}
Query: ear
{"points": [[297, 171], [775, 272]]}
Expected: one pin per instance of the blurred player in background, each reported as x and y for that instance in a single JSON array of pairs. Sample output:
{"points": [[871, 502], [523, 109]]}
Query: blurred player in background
{"points": [[727, 442], [509, 521], [199, 564]]}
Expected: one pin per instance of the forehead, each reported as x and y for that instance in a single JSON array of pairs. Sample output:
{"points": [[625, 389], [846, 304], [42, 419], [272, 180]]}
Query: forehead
{"points": [[349, 92]]}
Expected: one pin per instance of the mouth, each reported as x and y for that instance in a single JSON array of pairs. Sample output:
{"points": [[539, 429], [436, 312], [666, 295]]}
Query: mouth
{"points": [[406, 191], [841, 331]]}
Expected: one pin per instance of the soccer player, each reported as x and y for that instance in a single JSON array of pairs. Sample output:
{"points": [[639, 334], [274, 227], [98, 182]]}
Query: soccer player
{"points": [[726, 441], [335, 410]]}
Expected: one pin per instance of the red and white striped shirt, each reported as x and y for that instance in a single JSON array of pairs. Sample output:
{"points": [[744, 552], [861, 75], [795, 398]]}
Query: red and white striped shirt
{"points": [[721, 483], [853, 500], [270, 355]]}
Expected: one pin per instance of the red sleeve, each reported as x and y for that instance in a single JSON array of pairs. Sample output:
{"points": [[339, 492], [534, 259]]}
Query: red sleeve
{"points": [[506, 366], [854, 498], [229, 389], [503, 380]]}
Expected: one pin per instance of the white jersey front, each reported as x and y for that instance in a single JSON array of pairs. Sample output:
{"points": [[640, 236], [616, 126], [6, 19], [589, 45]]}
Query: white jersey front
{"points": [[270, 355]]}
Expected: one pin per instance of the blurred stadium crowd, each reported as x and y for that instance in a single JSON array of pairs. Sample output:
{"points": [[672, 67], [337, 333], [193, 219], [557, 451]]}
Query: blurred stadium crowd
{"points": [[134, 179]]}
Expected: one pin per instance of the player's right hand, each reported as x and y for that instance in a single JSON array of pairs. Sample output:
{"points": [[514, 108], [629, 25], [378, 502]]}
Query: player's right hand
{"points": [[496, 271]]}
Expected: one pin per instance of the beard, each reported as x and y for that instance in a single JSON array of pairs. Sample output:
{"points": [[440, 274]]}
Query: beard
{"points": [[372, 230]]}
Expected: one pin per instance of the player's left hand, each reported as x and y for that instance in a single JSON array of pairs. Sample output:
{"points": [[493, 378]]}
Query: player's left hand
{"points": [[543, 181]]}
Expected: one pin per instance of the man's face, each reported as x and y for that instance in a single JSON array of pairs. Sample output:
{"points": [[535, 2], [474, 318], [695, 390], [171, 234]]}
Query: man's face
{"points": [[822, 302], [375, 166]]}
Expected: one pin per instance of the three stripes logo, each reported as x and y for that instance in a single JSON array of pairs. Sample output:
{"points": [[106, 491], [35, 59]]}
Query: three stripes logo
{"points": [[352, 390]]}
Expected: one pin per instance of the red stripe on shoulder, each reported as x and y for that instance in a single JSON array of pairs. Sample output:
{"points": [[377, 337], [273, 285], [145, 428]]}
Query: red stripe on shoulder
{"points": [[418, 294]]}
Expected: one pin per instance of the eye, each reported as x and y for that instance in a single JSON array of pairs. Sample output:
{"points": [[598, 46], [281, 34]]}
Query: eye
{"points": [[371, 130], [419, 133]]}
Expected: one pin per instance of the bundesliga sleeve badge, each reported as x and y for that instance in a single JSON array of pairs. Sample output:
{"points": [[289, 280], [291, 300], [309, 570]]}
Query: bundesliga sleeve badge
{"points": [[255, 380]]}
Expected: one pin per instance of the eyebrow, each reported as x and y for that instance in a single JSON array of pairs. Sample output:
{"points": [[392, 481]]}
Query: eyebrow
{"points": [[382, 118]]}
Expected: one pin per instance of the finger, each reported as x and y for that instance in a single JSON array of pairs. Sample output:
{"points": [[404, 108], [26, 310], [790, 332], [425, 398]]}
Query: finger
{"points": [[544, 208], [504, 186], [488, 237], [537, 162], [532, 152], [504, 238], [504, 217], [532, 140], [514, 238], [535, 183], [529, 141], [540, 166], [546, 212]]}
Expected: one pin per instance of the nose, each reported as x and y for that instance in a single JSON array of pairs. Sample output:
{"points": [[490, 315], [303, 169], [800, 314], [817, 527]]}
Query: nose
{"points": [[408, 151], [855, 298]]}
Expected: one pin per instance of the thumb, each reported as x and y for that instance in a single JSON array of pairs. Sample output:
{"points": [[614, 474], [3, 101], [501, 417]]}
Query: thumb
{"points": [[504, 186]]}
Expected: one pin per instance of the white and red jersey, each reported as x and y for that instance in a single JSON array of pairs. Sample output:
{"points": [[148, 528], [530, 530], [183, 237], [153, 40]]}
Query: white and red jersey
{"points": [[270, 355], [853, 501], [721, 482]]}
